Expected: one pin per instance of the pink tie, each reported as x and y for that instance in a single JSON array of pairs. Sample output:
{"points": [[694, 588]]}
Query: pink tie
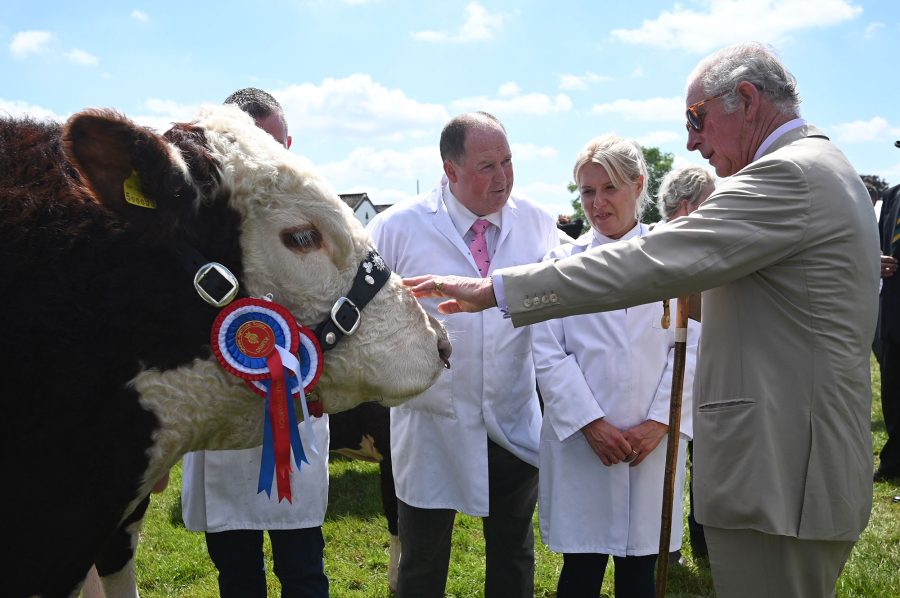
{"points": [[478, 246]]}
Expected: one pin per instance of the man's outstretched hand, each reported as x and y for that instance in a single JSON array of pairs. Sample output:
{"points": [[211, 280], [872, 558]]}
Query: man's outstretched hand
{"points": [[464, 294]]}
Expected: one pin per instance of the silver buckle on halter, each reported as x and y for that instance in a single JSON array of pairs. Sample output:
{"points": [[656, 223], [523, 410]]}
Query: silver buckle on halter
{"points": [[338, 305], [216, 284]]}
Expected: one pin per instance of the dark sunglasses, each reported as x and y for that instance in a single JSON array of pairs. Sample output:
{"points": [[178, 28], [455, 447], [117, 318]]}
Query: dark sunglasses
{"points": [[695, 116]]}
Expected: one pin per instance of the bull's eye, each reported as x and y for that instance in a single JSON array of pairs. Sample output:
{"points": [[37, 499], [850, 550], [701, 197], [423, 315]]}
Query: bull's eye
{"points": [[302, 239]]}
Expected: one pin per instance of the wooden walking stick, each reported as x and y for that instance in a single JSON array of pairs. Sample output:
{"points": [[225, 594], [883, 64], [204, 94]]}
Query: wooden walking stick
{"points": [[665, 532]]}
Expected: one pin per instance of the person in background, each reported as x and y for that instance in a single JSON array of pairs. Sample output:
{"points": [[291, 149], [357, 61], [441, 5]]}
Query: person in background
{"points": [[219, 488], [680, 193], [786, 254], [470, 442], [606, 379], [888, 334]]}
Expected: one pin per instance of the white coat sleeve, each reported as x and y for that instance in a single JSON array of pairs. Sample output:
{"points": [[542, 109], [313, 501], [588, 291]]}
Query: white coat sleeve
{"points": [[659, 408], [569, 403]]}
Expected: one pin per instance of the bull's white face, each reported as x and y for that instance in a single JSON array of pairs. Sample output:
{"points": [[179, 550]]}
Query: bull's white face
{"points": [[303, 245]]}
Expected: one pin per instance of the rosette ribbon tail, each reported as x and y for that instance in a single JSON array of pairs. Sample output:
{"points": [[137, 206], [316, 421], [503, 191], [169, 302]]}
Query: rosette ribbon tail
{"points": [[279, 408], [267, 461], [293, 364]]}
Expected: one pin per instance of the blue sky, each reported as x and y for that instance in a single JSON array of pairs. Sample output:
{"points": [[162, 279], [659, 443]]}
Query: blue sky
{"points": [[368, 84]]}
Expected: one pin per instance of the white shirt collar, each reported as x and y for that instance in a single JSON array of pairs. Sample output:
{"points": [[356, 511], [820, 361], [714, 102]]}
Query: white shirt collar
{"points": [[639, 230], [460, 215], [773, 137]]}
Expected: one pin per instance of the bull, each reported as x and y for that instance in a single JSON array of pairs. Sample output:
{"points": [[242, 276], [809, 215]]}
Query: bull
{"points": [[107, 369]]}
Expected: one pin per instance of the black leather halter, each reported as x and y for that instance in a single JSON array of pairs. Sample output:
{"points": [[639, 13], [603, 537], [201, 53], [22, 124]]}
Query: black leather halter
{"points": [[218, 286], [345, 313]]}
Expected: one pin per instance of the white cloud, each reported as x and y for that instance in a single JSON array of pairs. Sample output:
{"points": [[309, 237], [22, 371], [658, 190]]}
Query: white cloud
{"points": [[569, 81], [162, 113], [26, 43], [357, 106], [509, 89], [365, 164], [657, 138], [530, 151], [637, 72], [82, 57], [18, 108], [653, 109], [139, 15], [480, 25], [724, 21], [872, 29], [511, 100], [862, 131], [891, 174]]}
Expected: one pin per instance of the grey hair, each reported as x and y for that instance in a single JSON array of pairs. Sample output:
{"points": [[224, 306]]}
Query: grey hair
{"points": [[756, 63], [453, 136], [623, 161], [686, 183]]}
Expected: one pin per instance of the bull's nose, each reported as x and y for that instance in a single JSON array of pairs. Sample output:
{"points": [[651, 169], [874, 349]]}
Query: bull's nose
{"points": [[443, 343], [444, 350]]}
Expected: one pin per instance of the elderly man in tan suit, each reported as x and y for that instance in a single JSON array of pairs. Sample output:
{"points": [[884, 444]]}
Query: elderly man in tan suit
{"points": [[786, 254]]}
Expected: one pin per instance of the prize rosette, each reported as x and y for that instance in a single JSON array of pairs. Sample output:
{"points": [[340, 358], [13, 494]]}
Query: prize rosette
{"points": [[257, 340]]}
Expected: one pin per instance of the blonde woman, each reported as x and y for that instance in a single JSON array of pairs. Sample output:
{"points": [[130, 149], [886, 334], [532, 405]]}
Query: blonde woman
{"points": [[606, 380]]}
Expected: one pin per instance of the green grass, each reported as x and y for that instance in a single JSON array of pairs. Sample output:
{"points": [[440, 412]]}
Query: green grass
{"points": [[172, 562]]}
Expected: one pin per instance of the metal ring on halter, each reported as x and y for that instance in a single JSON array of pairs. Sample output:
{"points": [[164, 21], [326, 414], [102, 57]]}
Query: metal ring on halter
{"points": [[439, 285]]}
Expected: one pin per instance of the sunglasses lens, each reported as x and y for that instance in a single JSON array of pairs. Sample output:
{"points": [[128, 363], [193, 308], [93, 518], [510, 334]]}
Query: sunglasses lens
{"points": [[694, 120]]}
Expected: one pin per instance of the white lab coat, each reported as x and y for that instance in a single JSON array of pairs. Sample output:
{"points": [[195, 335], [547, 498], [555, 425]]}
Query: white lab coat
{"points": [[218, 489], [439, 438], [616, 365]]}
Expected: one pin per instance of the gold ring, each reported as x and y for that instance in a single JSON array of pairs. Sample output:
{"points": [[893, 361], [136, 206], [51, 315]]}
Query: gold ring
{"points": [[439, 285]]}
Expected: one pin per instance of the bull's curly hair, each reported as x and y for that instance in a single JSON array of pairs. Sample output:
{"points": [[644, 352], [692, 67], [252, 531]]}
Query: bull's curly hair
{"points": [[255, 102]]}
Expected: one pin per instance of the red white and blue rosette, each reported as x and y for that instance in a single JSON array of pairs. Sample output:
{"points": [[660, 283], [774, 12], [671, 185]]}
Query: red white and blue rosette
{"points": [[259, 341]]}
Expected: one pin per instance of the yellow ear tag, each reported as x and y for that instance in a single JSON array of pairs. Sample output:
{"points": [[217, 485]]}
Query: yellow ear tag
{"points": [[133, 195]]}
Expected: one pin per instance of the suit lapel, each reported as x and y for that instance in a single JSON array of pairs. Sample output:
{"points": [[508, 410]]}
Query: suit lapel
{"points": [[509, 215], [444, 225]]}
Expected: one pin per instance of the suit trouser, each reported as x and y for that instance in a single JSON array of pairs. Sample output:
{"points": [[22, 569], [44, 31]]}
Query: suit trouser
{"points": [[748, 563], [890, 404], [296, 554], [425, 535]]}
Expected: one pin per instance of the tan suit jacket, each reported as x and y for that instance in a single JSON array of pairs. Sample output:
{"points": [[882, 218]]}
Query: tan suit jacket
{"points": [[786, 252]]}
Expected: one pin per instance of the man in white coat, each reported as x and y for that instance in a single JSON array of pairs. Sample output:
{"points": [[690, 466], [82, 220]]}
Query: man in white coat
{"points": [[786, 253], [470, 442], [219, 488]]}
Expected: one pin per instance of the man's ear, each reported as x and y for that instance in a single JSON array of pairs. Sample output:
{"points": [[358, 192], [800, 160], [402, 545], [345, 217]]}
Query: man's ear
{"points": [[450, 171], [750, 98]]}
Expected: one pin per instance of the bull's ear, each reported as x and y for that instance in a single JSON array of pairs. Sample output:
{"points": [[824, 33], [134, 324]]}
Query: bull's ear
{"points": [[132, 170]]}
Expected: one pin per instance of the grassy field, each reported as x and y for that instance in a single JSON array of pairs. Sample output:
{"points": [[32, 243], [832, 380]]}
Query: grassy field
{"points": [[173, 562]]}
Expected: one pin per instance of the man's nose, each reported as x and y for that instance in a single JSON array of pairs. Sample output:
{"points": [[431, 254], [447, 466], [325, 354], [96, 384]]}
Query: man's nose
{"points": [[693, 139]]}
